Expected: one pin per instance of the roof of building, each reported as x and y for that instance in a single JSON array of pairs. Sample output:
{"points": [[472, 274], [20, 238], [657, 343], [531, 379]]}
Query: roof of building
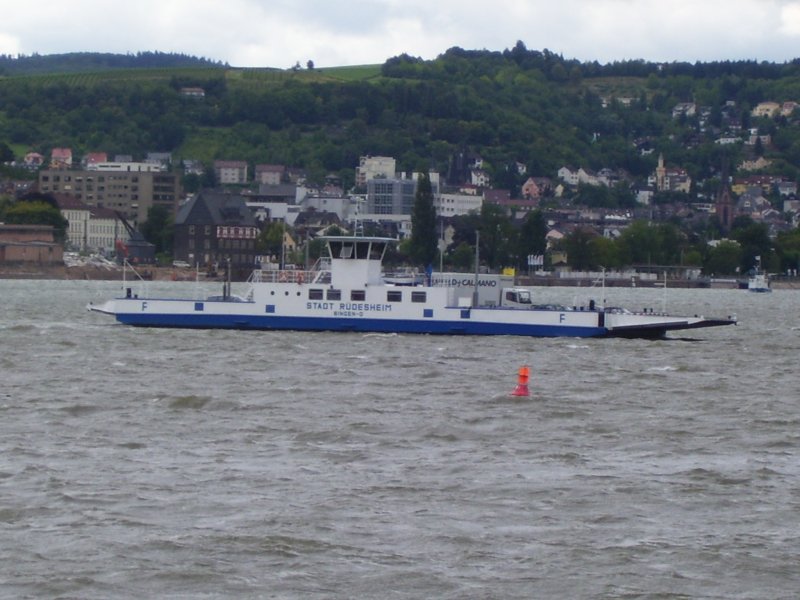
{"points": [[230, 164], [214, 208], [270, 169], [70, 202]]}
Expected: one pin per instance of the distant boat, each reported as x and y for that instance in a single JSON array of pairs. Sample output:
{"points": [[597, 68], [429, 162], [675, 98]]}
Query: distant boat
{"points": [[348, 292], [759, 281]]}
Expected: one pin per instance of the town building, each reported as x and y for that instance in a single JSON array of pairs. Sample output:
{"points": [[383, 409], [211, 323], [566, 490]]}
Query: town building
{"points": [[91, 228], [61, 158], [193, 167], [309, 223], [480, 178], [374, 167], [766, 109], [91, 159], [341, 206], [451, 205], [215, 228], [270, 174], [670, 179], [33, 160], [132, 193], [29, 244], [390, 196], [163, 159], [725, 205], [129, 167], [230, 172], [537, 187]]}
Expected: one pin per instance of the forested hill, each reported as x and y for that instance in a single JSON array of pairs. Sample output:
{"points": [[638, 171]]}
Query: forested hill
{"points": [[75, 62], [511, 107]]}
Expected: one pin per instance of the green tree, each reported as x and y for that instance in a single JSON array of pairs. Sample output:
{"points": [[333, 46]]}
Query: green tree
{"points": [[787, 245], [6, 153], [192, 183], [423, 247], [159, 229], [37, 212], [724, 259], [579, 248], [462, 256], [532, 237], [270, 241], [604, 253], [498, 238], [754, 241], [639, 244]]}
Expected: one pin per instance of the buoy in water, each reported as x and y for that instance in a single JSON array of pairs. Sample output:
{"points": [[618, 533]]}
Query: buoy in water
{"points": [[521, 388]]}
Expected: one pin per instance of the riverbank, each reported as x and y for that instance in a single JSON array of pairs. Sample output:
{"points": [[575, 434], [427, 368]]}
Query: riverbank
{"points": [[90, 272], [715, 284]]}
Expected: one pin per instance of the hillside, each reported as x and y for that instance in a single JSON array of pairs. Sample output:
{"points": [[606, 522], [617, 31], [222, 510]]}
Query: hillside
{"points": [[74, 62], [515, 106]]}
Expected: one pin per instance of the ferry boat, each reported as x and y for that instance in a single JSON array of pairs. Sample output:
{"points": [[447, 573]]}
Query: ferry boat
{"points": [[347, 291], [758, 282]]}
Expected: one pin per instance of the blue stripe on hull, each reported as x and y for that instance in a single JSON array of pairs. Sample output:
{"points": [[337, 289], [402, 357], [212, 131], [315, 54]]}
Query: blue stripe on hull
{"points": [[429, 326]]}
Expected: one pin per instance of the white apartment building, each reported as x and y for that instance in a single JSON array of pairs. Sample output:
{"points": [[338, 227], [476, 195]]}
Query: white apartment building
{"points": [[128, 167], [451, 205], [91, 229], [230, 171], [270, 174], [374, 167]]}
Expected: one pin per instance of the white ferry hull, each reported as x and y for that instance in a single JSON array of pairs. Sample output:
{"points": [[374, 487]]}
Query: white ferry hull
{"points": [[349, 316], [353, 296]]}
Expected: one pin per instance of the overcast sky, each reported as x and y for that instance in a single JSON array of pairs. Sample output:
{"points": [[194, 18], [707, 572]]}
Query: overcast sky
{"points": [[279, 33]]}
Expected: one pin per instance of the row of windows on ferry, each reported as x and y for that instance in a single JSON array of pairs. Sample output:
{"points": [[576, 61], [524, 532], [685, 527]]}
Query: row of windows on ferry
{"points": [[361, 295]]}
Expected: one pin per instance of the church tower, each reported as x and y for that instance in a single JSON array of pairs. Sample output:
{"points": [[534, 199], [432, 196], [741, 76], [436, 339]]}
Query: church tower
{"points": [[725, 206], [661, 174]]}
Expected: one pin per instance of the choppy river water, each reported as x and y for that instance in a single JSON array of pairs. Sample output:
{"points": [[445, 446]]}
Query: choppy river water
{"points": [[217, 464]]}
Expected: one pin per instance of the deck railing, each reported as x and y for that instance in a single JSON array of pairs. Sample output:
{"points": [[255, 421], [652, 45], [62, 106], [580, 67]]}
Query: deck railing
{"points": [[291, 276]]}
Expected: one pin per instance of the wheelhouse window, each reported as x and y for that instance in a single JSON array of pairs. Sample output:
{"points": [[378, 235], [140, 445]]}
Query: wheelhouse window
{"points": [[419, 296], [341, 250], [394, 296], [358, 295], [315, 294], [334, 294]]}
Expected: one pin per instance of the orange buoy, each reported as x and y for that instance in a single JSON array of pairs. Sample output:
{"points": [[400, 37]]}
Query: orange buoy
{"points": [[521, 388]]}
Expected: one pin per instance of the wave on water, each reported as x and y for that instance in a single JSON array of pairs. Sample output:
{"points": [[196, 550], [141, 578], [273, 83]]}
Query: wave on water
{"points": [[508, 398], [145, 463], [78, 410], [19, 328], [132, 445], [190, 402]]}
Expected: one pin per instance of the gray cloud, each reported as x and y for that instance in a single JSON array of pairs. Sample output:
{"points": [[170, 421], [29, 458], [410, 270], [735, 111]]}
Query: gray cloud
{"points": [[278, 33]]}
